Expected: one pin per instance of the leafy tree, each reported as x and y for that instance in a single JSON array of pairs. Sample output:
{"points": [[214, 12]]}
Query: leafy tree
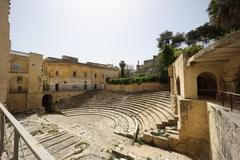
{"points": [[168, 38], [178, 39], [129, 70], [225, 13], [191, 50], [122, 65], [204, 34], [164, 39], [167, 56]]}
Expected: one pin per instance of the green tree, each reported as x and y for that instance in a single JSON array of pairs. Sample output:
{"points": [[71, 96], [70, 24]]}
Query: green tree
{"points": [[178, 39], [122, 65], [167, 56], [204, 34], [191, 50], [168, 38], [225, 13], [164, 39]]}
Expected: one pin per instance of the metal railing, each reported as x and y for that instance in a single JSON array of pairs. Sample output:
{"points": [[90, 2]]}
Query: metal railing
{"points": [[226, 99], [67, 87], [230, 99], [20, 132]]}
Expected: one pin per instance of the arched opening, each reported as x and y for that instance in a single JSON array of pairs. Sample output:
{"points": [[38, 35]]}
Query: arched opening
{"points": [[47, 102], [178, 86], [56, 87], [85, 85], [207, 85], [237, 82]]}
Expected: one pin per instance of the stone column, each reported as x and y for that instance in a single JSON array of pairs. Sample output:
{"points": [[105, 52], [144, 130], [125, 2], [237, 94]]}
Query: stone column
{"points": [[4, 49]]}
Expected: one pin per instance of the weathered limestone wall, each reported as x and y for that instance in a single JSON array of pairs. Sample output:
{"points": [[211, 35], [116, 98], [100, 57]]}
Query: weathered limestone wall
{"points": [[4, 49], [34, 98], [60, 95], [224, 133], [193, 129], [151, 86], [17, 102], [188, 76], [85, 75]]}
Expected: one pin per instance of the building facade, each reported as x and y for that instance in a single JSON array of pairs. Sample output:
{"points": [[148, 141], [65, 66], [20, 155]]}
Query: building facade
{"points": [[67, 74], [25, 77], [150, 66]]}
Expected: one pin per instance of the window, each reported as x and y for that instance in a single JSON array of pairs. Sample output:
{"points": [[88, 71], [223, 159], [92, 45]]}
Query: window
{"points": [[16, 66], [85, 75], [57, 73], [65, 82], [56, 87], [19, 89], [95, 75], [74, 74], [19, 79]]}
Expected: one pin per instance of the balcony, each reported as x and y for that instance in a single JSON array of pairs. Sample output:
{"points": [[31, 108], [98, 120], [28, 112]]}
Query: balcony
{"points": [[17, 91], [17, 70]]}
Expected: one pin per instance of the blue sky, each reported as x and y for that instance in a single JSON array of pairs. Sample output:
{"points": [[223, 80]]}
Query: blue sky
{"points": [[104, 31]]}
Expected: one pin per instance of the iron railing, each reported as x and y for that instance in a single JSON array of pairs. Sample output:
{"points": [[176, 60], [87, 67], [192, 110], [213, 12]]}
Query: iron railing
{"points": [[230, 99], [20, 133], [226, 99], [67, 87]]}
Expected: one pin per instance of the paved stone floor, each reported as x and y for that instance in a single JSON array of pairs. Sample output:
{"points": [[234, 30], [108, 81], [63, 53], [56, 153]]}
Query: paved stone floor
{"points": [[86, 137]]}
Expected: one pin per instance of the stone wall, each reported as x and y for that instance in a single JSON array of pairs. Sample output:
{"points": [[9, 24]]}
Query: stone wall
{"points": [[60, 95], [4, 49], [193, 129], [17, 102], [75, 76], [150, 86], [224, 133]]}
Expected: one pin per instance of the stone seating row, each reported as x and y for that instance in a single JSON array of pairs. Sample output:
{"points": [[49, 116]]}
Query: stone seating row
{"points": [[151, 110]]}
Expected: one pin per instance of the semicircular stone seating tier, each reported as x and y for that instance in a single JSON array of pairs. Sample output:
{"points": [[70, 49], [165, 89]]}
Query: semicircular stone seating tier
{"points": [[150, 111]]}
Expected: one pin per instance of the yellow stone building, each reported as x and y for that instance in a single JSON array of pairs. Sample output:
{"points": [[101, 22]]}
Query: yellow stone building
{"points": [[34, 83], [24, 82], [67, 74]]}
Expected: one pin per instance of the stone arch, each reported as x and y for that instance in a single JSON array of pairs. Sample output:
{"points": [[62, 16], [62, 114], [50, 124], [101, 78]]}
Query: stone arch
{"points": [[207, 85], [47, 102], [178, 85]]}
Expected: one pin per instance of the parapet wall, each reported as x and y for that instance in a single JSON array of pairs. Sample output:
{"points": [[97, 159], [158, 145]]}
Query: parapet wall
{"points": [[193, 129], [150, 86], [224, 128]]}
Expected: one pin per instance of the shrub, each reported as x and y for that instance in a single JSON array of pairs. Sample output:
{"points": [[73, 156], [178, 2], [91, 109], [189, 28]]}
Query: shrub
{"points": [[137, 79]]}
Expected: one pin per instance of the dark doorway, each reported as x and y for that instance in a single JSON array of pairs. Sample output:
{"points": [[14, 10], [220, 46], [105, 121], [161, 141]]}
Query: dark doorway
{"points": [[47, 102], [178, 86], [56, 87], [95, 87], [207, 85]]}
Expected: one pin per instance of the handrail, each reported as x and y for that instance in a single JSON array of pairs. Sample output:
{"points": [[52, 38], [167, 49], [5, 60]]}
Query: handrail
{"points": [[223, 96], [37, 149]]}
